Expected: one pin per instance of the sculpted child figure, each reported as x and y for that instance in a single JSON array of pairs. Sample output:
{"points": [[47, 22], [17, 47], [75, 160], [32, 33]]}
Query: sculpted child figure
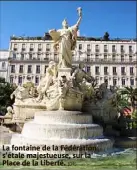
{"points": [[50, 77], [82, 81], [9, 115]]}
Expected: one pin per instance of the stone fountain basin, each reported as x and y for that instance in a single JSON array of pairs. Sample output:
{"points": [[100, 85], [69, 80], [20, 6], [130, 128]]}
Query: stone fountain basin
{"points": [[61, 130], [52, 117], [95, 144], [26, 111]]}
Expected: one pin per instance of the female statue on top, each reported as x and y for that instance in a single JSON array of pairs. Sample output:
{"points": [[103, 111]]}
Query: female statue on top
{"points": [[65, 41]]}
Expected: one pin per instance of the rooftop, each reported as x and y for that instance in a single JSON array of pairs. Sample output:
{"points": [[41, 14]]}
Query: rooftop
{"points": [[80, 38], [3, 50]]}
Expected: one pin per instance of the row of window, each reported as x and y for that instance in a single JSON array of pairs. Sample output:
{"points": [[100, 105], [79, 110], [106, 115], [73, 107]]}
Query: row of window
{"points": [[29, 69], [97, 70], [97, 48], [123, 81], [48, 46], [89, 58], [31, 56], [114, 70], [88, 50], [80, 47], [113, 58], [20, 80], [37, 79]]}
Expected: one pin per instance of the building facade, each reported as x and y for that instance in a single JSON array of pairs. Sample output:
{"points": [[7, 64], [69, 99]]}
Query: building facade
{"points": [[114, 60], [4, 54]]}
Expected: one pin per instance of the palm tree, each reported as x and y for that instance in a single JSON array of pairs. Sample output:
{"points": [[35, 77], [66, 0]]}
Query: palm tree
{"points": [[119, 102], [131, 94]]}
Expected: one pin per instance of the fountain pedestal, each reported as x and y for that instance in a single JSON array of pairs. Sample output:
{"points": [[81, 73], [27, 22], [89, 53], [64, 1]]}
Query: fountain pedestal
{"points": [[62, 128]]}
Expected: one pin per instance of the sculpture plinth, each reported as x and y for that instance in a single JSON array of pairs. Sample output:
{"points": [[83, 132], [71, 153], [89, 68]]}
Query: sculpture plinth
{"points": [[64, 72]]}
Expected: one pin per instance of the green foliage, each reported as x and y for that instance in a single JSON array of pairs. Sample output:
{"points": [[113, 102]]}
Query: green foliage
{"points": [[119, 101], [131, 94], [125, 97], [6, 89], [2, 80], [134, 116]]}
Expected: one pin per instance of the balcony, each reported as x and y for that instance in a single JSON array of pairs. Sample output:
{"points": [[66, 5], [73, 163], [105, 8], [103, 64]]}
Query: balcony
{"points": [[130, 59], [88, 59], [14, 49], [97, 59], [114, 73], [113, 50], [97, 50], [122, 59], [123, 73], [39, 49], [29, 71], [46, 59], [131, 74], [22, 57], [12, 71], [88, 53], [47, 49], [31, 49], [106, 73], [23, 49], [97, 73], [37, 71], [130, 51], [20, 71], [122, 51], [105, 50]]}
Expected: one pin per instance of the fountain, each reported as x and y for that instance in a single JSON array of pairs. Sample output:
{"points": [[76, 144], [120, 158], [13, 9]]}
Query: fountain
{"points": [[57, 110]]}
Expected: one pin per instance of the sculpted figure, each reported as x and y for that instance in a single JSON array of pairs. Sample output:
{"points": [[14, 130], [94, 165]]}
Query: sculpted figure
{"points": [[50, 77], [23, 92], [65, 41], [9, 115], [20, 93], [79, 75], [63, 89], [82, 80]]}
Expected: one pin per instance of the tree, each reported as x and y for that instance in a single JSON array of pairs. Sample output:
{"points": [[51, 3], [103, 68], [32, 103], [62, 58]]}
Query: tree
{"points": [[106, 36], [131, 94], [119, 101], [6, 89]]}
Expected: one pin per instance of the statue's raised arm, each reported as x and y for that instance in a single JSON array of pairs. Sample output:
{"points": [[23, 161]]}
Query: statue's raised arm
{"points": [[80, 16]]}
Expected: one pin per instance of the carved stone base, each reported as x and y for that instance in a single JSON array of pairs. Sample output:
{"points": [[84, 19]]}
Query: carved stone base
{"points": [[64, 72]]}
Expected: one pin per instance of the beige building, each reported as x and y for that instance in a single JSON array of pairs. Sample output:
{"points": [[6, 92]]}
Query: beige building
{"points": [[114, 60], [4, 54]]}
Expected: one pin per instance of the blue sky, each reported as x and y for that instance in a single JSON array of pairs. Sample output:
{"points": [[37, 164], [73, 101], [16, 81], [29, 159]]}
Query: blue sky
{"points": [[33, 18]]}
